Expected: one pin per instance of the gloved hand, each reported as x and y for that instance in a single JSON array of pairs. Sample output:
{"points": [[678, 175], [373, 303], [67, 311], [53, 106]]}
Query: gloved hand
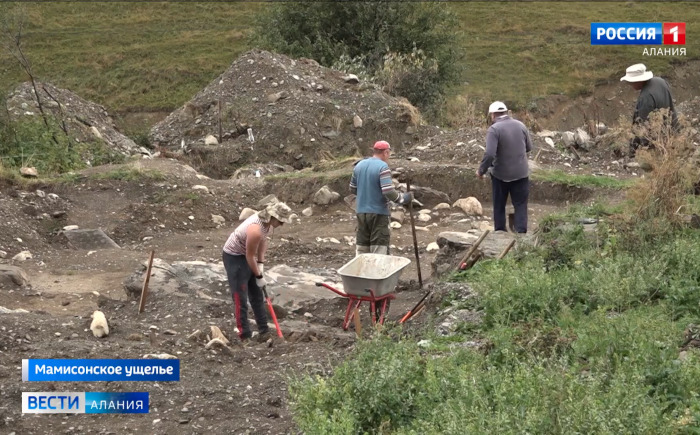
{"points": [[406, 198], [261, 266], [260, 281]]}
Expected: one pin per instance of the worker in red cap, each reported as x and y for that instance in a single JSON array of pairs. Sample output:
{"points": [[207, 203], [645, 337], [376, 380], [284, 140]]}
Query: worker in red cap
{"points": [[371, 181]]}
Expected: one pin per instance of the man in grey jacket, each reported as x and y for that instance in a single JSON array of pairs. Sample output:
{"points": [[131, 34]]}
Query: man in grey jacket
{"points": [[654, 94], [507, 144]]}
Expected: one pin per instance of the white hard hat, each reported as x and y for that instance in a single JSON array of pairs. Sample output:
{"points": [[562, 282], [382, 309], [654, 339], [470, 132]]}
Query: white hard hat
{"points": [[497, 106]]}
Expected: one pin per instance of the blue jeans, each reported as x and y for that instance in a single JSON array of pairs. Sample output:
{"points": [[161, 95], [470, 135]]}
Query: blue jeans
{"points": [[519, 190]]}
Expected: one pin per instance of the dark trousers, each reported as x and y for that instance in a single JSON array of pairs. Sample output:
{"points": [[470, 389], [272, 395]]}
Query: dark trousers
{"points": [[244, 287], [518, 190]]}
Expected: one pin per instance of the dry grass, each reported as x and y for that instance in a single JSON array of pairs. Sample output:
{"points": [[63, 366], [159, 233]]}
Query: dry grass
{"points": [[462, 112], [664, 191]]}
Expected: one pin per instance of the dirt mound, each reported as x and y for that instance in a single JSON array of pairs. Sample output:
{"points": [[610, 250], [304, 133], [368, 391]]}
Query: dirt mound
{"points": [[297, 112], [84, 120], [31, 220]]}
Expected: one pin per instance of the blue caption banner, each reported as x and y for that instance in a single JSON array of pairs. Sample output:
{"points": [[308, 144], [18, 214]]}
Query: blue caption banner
{"points": [[626, 33], [84, 403], [92, 370]]}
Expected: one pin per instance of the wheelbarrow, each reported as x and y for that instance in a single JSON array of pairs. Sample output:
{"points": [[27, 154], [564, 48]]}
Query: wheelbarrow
{"points": [[369, 278]]}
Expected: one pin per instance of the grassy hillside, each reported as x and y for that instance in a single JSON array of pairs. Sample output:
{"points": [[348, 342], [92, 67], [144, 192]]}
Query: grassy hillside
{"points": [[155, 56]]}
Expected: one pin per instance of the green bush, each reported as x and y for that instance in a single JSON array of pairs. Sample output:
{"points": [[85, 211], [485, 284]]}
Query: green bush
{"points": [[48, 149], [411, 45]]}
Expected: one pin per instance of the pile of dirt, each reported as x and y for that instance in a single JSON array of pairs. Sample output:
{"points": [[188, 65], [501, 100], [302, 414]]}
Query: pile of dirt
{"points": [[84, 120], [270, 108], [31, 221]]}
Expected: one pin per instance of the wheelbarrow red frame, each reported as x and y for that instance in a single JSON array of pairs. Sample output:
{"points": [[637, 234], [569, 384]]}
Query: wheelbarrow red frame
{"points": [[354, 302]]}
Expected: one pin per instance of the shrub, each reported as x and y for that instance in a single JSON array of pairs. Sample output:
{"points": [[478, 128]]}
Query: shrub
{"points": [[662, 193], [31, 143], [413, 41]]}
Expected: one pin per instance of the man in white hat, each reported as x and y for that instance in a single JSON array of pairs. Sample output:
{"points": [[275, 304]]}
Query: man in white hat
{"points": [[655, 94], [507, 144], [244, 257]]}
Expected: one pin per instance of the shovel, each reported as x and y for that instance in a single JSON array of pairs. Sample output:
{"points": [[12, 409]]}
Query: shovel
{"points": [[272, 312]]}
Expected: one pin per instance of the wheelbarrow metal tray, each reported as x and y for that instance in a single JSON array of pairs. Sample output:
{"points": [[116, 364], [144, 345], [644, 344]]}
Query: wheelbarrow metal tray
{"points": [[372, 271]]}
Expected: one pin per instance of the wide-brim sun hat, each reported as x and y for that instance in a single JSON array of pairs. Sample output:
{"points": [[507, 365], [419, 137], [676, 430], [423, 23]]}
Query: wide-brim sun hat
{"points": [[497, 107], [637, 73], [277, 210]]}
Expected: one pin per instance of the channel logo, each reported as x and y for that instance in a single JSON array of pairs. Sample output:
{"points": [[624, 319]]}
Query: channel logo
{"points": [[637, 33], [84, 403]]}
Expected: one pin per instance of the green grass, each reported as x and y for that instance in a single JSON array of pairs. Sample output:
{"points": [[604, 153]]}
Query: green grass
{"points": [[129, 174], [580, 335], [561, 177], [151, 56]]}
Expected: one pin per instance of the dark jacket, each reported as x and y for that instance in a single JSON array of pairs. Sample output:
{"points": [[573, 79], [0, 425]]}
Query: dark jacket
{"points": [[656, 94]]}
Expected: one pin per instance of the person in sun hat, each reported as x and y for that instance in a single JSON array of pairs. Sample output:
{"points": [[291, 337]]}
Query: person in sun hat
{"points": [[655, 93], [244, 259], [507, 144], [371, 181]]}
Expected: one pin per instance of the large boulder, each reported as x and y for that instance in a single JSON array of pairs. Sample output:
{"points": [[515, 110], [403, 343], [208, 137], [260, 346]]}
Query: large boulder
{"points": [[428, 196], [470, 206], [453, 245], [181, 278], [325, 196], [12, 276]]}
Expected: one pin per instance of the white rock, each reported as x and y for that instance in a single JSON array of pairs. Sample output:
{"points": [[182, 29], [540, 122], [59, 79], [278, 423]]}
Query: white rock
{"points": [[325, 196], [433, 246], [442, 206], [423, 217], [582, 138], [159, 356], [357, 121], [99, 326], [395, 225], [70, 227], [23, 256], [246, 213], [218, 219], [29, 172], [3, 254], [200, 187], [424, 211], [53, 196], [470, 206], [307, 211], [568, 138], [333, 240], [96, 132], [40, 193], [414, 159], [190, 217], [308, 315], [549, 141], [546, 133], [351, 78]]}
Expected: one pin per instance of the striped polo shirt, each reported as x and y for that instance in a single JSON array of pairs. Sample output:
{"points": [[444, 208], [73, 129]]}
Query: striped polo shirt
{"points": [[235, 245]]}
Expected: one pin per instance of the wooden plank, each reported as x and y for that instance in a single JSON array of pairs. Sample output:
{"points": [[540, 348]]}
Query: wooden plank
{"points": [[507, 248], [144, 289], [358, 324], [472, 249]]}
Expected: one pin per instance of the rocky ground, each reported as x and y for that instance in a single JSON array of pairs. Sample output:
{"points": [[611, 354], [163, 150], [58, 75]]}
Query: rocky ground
{"points": [[305, 127]]}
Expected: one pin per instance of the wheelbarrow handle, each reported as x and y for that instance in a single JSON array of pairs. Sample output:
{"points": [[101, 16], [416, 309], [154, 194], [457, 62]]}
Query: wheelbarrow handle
{"points": [[334, 290]]}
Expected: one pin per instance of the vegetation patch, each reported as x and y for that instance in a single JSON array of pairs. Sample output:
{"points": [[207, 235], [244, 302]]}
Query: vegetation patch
{"points": [[586, 332]]}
